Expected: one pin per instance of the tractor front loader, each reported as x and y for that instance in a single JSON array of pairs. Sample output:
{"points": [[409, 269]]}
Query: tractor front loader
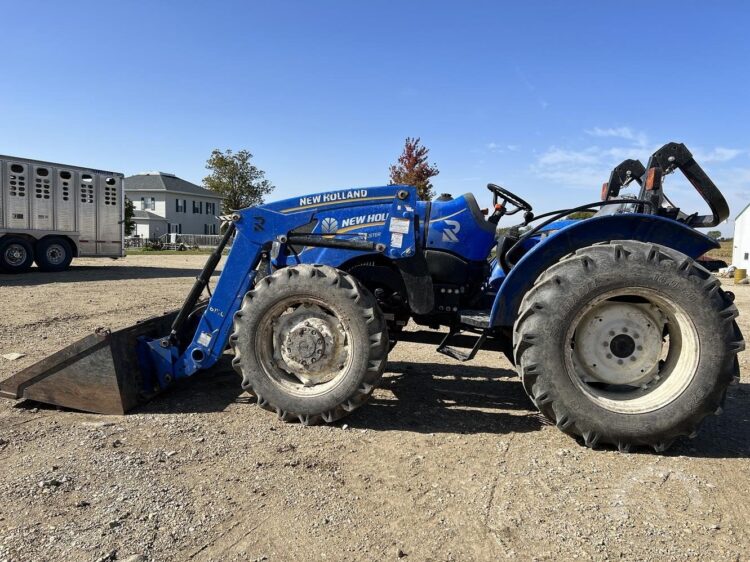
{"points": [[618, 335]]}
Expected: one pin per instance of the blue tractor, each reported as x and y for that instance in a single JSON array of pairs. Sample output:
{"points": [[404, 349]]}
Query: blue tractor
{"points": [[619, 337]]}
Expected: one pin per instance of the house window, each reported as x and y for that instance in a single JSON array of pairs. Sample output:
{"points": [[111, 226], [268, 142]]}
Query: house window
{"points": [[175, 228], [746, 255], [210, 208], [148, 204], [180, 205], [196, 208]]}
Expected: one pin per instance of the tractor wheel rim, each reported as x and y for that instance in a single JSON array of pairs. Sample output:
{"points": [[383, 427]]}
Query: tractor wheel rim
{"points": [[304, 346], [632, 350], [55, 254], [15, 255]]}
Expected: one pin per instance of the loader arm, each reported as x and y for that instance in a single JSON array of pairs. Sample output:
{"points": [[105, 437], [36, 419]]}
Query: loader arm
{"points": [[263, 237]]}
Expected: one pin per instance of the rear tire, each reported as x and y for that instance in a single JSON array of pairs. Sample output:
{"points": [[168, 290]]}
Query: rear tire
{"points": [[628, 344], [53, 254], [310, 342], [16, 255]]}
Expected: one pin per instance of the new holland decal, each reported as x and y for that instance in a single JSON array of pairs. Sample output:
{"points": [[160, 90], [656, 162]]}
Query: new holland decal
{"points": [[330, 225], [332, 197]]}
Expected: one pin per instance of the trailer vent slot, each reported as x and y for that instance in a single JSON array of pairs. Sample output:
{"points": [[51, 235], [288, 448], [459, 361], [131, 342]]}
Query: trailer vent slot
{"points": [[87, 189], [17, 183], [65, 185], [42, 184], [110, 193]]}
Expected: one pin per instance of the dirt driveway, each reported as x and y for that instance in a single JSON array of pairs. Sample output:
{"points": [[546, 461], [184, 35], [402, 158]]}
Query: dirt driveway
{"points": [[448, 462]]}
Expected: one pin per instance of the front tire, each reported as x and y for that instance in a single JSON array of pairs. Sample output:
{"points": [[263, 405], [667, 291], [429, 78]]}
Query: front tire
{"points": [[627, 343], [310, 342]]}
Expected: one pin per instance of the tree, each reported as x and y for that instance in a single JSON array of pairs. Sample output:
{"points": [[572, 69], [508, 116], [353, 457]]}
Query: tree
{"points": [[413, 169], [580, 215], [236, 179], [714, 234], [129, 214]]}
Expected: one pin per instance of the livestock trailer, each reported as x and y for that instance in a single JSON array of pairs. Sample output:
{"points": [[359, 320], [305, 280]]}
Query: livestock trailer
{"points": [[51, 213]]}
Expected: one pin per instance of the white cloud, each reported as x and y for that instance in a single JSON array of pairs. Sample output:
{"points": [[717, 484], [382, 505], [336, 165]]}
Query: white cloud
{"points": [[625, 133], [555, 156], [589, 167], [718, 154], [499, 148]]}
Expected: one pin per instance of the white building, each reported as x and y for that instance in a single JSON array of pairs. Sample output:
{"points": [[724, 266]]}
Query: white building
{"points": [[165, 204], [741, 242]]}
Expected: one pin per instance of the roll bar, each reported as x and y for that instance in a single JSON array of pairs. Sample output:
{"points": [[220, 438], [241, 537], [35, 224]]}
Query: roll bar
{"points": [[672, 156]]}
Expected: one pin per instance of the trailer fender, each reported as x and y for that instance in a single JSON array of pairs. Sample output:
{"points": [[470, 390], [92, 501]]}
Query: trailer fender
{"points": [[643, 228]]}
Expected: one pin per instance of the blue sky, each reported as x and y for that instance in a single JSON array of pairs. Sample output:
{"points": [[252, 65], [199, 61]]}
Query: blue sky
{"points": [[542, 97]]}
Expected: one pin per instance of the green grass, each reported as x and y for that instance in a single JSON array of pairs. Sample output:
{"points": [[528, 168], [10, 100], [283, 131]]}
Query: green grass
{"points": [[724, 252]]}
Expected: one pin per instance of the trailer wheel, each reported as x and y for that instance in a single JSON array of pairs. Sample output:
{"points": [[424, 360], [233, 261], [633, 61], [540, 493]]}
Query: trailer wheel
{"points": [[310, 342], [628, 344], [16, 255], [53, 254]]}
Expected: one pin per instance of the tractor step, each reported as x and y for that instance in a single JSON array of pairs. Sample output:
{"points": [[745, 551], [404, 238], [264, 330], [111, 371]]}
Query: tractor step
{"points": [[475, 318], [473, 321], [459, 354]]}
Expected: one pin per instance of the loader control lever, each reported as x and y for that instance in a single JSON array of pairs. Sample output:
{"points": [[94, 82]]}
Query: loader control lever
{"points": [[504, 197]]}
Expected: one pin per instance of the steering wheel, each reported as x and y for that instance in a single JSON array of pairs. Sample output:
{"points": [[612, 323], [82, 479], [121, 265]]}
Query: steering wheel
{"points": [[506, 197]]}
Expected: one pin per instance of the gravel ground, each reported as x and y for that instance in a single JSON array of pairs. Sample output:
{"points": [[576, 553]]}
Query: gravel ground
{"points": [[447, 462]]}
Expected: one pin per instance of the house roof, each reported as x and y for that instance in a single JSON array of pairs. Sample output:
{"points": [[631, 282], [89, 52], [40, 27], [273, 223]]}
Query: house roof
{"points": [[147, 216], [161, 181]]}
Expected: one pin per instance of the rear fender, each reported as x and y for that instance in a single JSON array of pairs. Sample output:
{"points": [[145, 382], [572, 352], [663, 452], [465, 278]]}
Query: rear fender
{"points": [[643, 228]]}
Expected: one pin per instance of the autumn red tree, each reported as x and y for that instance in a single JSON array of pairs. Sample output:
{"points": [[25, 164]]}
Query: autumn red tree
{"points": [[412, 168]]}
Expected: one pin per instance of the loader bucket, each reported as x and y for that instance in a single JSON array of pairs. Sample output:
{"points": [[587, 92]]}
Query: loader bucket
{"points": [[100, 373]]}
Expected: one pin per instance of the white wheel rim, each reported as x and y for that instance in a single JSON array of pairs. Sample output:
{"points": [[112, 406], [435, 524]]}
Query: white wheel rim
{"points": [[632, 351], [304, 346]]}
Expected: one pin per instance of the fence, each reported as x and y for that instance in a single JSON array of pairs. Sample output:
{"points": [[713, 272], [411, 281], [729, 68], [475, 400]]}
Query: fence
{"points": [[177, 241], [193, 240]]}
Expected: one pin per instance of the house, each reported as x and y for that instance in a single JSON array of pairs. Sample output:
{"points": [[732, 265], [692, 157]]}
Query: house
{"points": [[165, 204], [741, 242]]}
